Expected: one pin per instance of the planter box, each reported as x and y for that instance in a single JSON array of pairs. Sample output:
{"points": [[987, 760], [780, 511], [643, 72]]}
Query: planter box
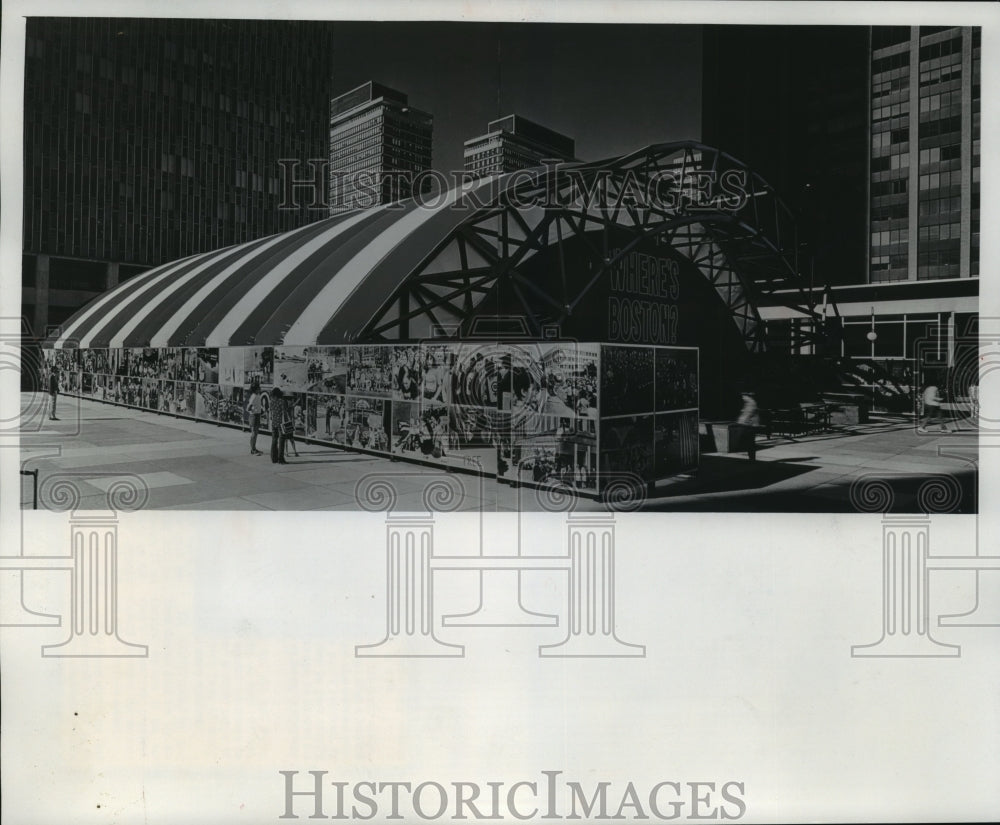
{"points": [[727, 437]]}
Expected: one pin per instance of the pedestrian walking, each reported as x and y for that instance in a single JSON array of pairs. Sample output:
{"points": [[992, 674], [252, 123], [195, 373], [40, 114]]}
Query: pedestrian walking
{"points": [[253, 410], [932, 408], [277, 409], [749, 419], [974, 402], [53, 391]]}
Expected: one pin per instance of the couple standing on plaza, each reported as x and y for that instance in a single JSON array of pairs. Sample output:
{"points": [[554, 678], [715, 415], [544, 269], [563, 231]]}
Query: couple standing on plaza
{"points": [[282, 422]]}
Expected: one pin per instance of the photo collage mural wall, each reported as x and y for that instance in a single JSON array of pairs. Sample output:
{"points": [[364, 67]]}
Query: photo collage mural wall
{"points": [[545, 413]]}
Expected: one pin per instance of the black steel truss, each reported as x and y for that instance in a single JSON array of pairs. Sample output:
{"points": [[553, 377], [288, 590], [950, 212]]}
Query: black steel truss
{"points": [[734, 230]]}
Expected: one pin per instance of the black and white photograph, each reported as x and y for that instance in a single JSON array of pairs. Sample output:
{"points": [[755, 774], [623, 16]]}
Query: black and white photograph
{"points": [[327, 369], [368, 423], [627, 378], [171, 363], [455, 411], [626, 447], [369, 371], [291, 369], [232, 365], [328, 413], [473, 439], [207, 365], [676, 379], [258, 365], [475, 375], [231, 409], [207, 401]]}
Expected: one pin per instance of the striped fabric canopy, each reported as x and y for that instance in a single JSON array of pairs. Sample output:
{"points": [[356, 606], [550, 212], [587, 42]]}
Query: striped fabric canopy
{"points": [[319, 284]]}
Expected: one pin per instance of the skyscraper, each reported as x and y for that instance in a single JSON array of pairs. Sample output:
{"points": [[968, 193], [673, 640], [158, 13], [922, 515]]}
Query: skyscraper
{"points": [[378, 146], [871, 136], [924, 169], [147, 140], [514, 142]]}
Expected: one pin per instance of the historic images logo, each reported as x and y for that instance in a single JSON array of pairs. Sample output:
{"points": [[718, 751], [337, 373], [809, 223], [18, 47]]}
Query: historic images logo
{"points": [[545, 797], [907, 560], [319, 188]]}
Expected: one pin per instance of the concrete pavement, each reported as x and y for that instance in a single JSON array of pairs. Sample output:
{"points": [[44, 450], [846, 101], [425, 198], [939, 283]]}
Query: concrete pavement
{"points": [[192, 465]]}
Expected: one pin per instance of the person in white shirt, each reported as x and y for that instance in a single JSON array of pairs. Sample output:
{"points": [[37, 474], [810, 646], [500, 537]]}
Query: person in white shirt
{"points": [[932, 408], [974, 402], [253, 410], [749, 418]]}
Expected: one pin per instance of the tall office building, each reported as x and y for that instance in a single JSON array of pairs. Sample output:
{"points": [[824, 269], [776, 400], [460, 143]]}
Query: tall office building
{"points": [[378, 146], [146, 140], [925, 97], [871, 136], [514, 142]]}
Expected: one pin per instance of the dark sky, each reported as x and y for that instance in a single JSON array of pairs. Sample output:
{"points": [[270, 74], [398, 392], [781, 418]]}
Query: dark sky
{"points": [[611, 88]]}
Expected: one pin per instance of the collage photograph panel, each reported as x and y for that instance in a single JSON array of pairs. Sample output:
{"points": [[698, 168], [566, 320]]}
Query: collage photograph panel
{"points": [[326, 369], [676, 379], [207, 402], [231, 366], [231, 404], [258, 365], [326, 417], [171, 363], [168, 389], [474, 437], [626, 447], [291, 370], [207, 365], [370, 370], [627, 378], [369, 423], [149, 393]]}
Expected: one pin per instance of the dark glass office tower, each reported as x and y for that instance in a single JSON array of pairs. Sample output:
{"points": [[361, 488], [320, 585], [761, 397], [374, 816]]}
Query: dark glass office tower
{"points": [[147, 140]]}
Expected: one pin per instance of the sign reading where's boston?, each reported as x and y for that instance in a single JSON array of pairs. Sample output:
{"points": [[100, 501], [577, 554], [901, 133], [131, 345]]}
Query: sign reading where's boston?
{"points": [[651, 294], [643, 291]]}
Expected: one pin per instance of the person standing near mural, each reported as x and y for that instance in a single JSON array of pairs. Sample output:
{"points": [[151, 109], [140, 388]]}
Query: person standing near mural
{"points": [[253, 410], [53, 391], [277, 410], [288, 421]]}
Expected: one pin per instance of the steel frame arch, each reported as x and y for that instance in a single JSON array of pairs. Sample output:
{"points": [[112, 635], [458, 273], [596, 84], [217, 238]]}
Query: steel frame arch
{"points": [[742, 240]]}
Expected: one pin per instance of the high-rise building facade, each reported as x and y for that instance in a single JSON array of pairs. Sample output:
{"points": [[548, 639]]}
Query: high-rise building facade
{"points": [[379, 145], [871, 136], [147, 140], [924, 168], [514, 142]]}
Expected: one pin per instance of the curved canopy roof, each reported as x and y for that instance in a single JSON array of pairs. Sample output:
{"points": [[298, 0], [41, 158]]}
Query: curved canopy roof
{"points": [[362, 275], [316, 284]]}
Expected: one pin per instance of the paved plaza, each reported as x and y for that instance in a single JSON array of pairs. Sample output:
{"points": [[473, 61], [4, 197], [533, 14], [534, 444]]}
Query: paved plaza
{"points": [[193, 465]]}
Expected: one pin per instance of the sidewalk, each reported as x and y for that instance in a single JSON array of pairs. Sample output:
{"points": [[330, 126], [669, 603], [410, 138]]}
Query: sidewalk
{"points": [[192, 465]]}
